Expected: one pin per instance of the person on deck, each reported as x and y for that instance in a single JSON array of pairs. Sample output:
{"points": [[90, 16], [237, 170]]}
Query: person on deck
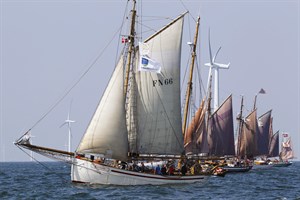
{"points": [[142, 167], [171, 170], [157, 170], [164, 170], [183, 169]]}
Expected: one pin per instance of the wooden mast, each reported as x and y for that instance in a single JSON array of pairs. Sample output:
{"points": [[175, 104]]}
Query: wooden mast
{"points": [[190, 83], [240, 118], [208, 109], [130, 48]]}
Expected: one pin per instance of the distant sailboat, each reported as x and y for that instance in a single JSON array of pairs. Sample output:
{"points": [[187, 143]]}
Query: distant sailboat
{"points": [[286, 152], [212, 134], [264, 134]]}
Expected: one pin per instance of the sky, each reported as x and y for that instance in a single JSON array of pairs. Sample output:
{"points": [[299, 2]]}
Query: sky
{"points": [[47, 45]]}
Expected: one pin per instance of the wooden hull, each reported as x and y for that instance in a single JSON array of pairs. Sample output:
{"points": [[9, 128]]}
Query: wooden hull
{"points": [[84, 171]]}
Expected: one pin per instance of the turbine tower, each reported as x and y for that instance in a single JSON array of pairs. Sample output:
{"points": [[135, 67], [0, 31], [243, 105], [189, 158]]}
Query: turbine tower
{"points": [[68, 121], [215, 66]]}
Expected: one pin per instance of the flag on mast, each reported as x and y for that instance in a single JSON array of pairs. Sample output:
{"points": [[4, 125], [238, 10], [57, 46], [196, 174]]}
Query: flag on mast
{"points": [[146, 63], [262, 91]]}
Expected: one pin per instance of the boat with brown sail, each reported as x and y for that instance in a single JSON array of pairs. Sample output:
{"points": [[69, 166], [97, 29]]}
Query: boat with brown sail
{"points": [[264, 137], [285, 154]]}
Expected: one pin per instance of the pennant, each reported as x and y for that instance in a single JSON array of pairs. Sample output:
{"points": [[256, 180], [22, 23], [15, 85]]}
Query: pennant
{"points": [[124, 40], [262, 91]]}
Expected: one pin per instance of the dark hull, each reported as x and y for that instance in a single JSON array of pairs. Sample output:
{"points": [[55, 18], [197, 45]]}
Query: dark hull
{"points": [[281, 164], [237, 169]]}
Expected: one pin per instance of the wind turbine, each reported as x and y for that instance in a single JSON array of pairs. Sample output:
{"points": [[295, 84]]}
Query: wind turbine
{"points": [[68, 122], [215, 66]]}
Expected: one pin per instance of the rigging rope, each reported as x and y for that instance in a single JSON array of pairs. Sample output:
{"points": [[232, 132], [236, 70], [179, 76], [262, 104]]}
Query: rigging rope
{"points": [[187, 10], [117, 53], [76, 82]]}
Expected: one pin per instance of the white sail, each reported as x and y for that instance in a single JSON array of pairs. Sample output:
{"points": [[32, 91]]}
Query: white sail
{"points": [[107, 133], [158, 95]]}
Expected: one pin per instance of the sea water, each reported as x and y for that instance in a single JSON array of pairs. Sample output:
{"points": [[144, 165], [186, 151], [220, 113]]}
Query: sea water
{"points": [[51, 180]]}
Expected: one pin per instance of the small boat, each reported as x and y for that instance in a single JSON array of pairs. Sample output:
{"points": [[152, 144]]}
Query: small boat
{"points": [[285, 154], [280, 164], [219, 171]]}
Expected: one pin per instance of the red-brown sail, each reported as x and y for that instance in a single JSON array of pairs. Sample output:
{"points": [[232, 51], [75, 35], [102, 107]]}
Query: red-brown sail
{"points": [[195, 139], [274, 145], [264, 122], [220, 130], [248, 137]]}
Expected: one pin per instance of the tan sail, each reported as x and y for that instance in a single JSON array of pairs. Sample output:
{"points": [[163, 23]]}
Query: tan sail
{"points": [[158, 95], [220, 130], [107, 133]]}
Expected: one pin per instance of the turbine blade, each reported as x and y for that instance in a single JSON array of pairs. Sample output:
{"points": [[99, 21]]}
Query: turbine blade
{"points": [[208, 64], [63, 124], [210, 55], [223, 66], [214, 58]]}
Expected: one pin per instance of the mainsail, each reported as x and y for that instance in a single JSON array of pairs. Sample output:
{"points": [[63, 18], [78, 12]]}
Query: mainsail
{"points": [[264, 123], [158, 106], [107, 133], [274, 145], [220, 130], [248, 139]]}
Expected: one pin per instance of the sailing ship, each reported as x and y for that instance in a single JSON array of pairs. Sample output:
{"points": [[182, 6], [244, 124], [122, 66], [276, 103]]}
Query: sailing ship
{"points": [[286, 152], [246, 142], [264, 138], [138, 117], [210, 133], [268, 144], [213, 134]]}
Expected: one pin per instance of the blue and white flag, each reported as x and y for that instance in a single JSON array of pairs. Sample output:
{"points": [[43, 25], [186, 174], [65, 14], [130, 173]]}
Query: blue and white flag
{"points": [[146, 63]]}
